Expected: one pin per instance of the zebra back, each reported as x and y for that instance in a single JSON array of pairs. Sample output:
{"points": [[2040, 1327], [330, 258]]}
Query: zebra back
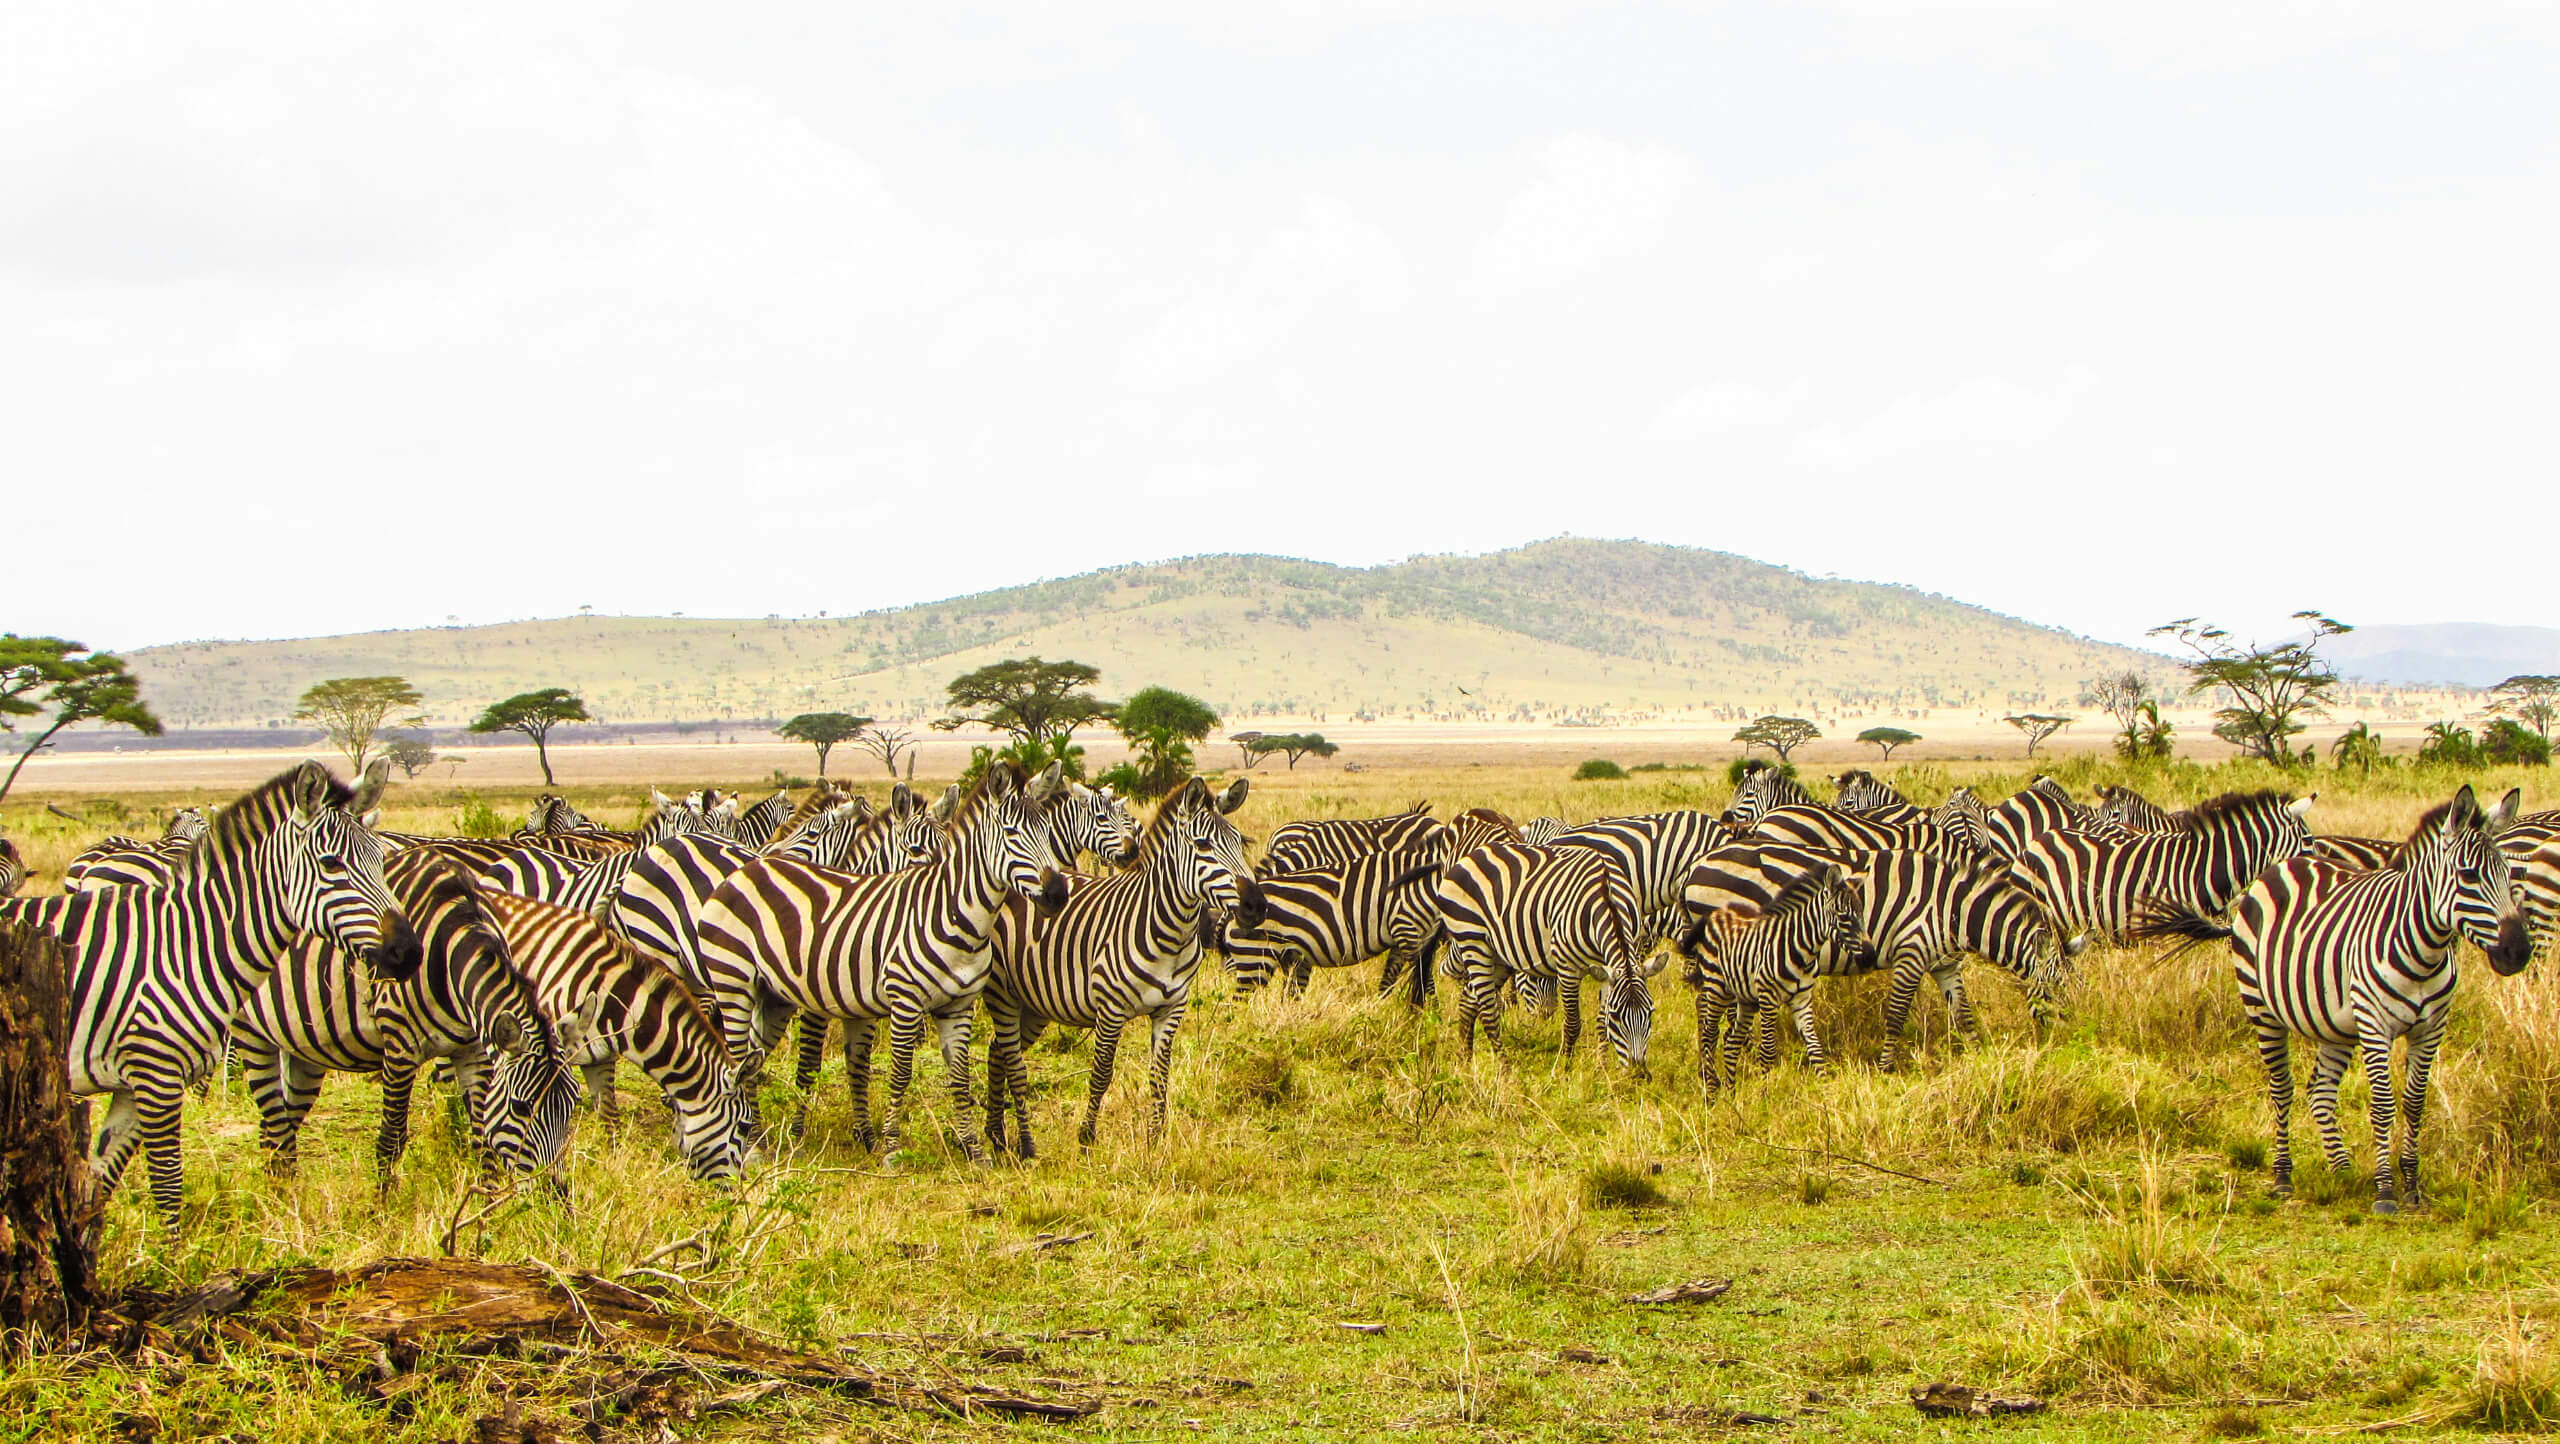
{"points": [[2366, 854], [2106, 884], [1329, 842], [591, 884], [1654, 849], [1824, 828], [1331, 917], [2131, 810], [2042, 806]]}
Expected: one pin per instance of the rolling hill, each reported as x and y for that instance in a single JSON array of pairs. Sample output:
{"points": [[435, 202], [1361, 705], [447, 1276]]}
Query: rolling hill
{"points": [[2465, 654], [1560, 630]]}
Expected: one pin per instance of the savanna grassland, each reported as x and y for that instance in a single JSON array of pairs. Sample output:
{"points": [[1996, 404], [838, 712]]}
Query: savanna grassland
{"points": [[2083, 1218]]}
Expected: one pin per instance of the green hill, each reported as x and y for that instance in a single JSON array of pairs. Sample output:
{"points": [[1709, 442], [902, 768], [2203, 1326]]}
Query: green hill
{"points": [[1548, 632]]}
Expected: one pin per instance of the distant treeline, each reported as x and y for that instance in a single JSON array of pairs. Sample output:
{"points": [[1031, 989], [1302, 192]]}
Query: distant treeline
{"points": [[312, 739]]}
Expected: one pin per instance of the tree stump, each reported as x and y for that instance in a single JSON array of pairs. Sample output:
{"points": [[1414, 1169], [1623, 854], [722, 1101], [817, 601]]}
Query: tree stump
{"points": [[48, 1205]]}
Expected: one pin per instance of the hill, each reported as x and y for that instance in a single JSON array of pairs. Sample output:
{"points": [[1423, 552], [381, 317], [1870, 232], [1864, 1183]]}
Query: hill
{"points": [[2465, 654], [1559, 630]]}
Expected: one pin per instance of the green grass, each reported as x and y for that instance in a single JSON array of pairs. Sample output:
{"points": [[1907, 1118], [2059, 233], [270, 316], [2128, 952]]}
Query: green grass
{"points": [[2084, 1219]]}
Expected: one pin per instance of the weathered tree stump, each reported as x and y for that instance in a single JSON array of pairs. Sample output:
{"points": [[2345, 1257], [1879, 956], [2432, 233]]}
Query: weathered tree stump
{"points": [[48, 1199]]}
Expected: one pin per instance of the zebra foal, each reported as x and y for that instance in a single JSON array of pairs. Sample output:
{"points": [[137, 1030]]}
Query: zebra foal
{"points": [[1757, 966]]}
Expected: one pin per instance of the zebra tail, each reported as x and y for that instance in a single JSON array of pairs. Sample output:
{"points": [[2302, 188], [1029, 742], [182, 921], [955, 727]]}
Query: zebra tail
{"points": [[2162, 920]]}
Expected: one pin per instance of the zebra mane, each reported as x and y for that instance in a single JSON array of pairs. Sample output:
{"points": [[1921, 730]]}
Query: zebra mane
{"points": [[1191, 793], [2203, 815], [1491, 815], [2428, 821], [245, 824], [967, 810]]}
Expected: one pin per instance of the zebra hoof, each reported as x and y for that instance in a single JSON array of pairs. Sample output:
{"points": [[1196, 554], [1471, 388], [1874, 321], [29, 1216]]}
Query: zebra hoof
{"points": [[2386, 1205]]}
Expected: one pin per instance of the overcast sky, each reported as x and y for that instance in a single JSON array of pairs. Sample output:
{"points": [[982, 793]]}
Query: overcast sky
{"points": [[335, 317]]}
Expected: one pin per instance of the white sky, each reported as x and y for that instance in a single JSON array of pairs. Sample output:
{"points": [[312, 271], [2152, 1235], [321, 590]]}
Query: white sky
{"points": [[333, 317]]}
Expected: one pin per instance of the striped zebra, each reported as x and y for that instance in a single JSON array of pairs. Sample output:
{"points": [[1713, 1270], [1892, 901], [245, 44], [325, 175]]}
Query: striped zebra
{"points": [[157, 972], [1763, 789], [2103, 885], [1121, 949], [1755, 967], [780, 937], [1831, 831], [2131, 810], [2354, 960], [1554, 913], [1336, 917], [1539, 831], [13, 867], [1092, 819], [2040, 807], [630, 1007], [1919, 915], [2537, 878], [591, 884], [2365, 854], [321, 1012], [1331, 841], [1867, 795], [757, 825], [127, 862]]}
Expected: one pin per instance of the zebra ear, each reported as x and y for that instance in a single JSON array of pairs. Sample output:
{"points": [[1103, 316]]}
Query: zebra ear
{"points": [[503, 1035], [2301, 806], [1051, 781], [903, 799], [377, 776], [578, 1027], [947, 804], [370, 819], [1653, 966], [2505, 817], [1233, 797], [2075, 945]]}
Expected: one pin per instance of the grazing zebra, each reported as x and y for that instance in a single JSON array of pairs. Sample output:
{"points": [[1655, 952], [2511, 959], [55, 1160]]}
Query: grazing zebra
{"points": [[2131, 810], [2365, 854], [13, 867], [1867, 795], [1554, 913], [911, 946], [157, 972], [1334, 917], [2103, 885], [591, 884], [1759, 966], [2041, 806], [1830, 831], [1763, 789], [630, 1007], [1329, 842], [1539, 831], [2353, 960], [1918, 915], [321, 1012], [1121, 949]]}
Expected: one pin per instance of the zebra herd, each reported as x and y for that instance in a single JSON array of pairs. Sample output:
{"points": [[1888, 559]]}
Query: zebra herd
{"points": [[293, 932]]}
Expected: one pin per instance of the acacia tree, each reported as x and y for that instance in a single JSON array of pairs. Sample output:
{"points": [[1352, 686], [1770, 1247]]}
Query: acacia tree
{"points": [[2273, 690], [2038, 726], [2121, 696], [1888, 738], [410, 753], [1244, 744], [1160, 725], [352, 710], [78, 685], [886, 743], [1782, 735], [2531, 699], [534, 714], [1292, 745], [1037, 702], [823, 730]]}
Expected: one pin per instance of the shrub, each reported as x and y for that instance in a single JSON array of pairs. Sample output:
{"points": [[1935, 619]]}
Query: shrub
{"points": [[1599, 769], [476, 818], [1621, 1185], [783, 778], [1733, 770], [2509, 743]]}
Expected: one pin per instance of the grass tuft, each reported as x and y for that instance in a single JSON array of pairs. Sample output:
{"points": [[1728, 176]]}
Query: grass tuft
{"points": [[2515, 1386], [1617, 1184]]}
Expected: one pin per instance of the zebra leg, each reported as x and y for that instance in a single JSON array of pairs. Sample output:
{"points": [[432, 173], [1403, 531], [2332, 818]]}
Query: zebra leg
{"points": [[1301, 968], [471, 1078], [998, 1029], [2413, 1107], [953, 1028], [279, 1123], [1017, 1081], [1814, 1057], [1160, 1065], [804, 1073], [2328, 1064], [391, 1138], [1711, 1010], [298, 1087], [1897, 1010], [1391, 972], [1737, 1036], [159, 1097], [2384, 1110], [1959, 1004], [1764, 1028], [599, 1079], [1106, 1053], [906, 1034], [2275, 1054], [119, 1133], [1568, 994], [857, 1077]]}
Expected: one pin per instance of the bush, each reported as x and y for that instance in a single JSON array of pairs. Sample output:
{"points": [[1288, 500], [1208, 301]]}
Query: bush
{"points": [[1599, 769], [2509, 743], [1733, 770], [476, 818], [783, 778]]}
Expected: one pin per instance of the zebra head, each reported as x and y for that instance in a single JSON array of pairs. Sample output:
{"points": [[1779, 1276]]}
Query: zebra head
{"points": [[531, 1097], [2458, 844], [1863, 791], [1626, 1007], [1096, 820], [13, 868], [1191, 831], [1763, 788], [676, 816], [551, 813], [714, 1139], [186, 825], [329, 865], [1002, 828]]}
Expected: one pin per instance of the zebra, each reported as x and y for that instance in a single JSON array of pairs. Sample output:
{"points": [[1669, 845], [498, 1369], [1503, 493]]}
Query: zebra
{"points": [[1918, 914], [1762, 788], [13, 867], [2041, 806], [320, 1012], [157, 972], [2353, 960], [1756, 966], [1867, 795], [780, 937], [1553, 912], [2537, 878], [2131, 810], [1092, 819], [590, 884], [631, 1007], [1833, 831], [1327, 842], [2102, 885], [1122, 948], [1333, 917], [757, 825], [2365, 854], [121, 861], [1539, 831]]}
